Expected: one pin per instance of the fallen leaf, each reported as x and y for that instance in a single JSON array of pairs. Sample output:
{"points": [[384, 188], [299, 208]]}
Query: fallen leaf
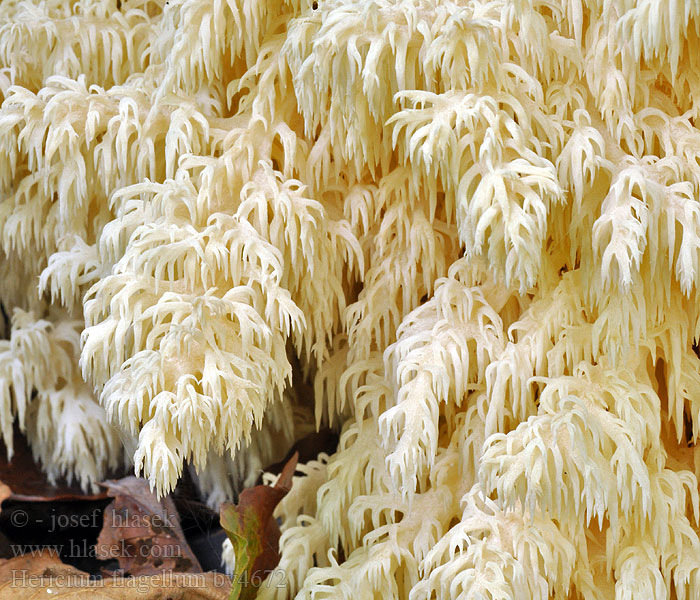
{"points": [[142, 532], [254, 532], [5, 545], [5, 493], [28, 482], [40, 576], [41, 561], [36, 512]]}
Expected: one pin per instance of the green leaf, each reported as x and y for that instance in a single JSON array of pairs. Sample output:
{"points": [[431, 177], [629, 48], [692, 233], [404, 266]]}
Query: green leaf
{"points": [[254, 532]]}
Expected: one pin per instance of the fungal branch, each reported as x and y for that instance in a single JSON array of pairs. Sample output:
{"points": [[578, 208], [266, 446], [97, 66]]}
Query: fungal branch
{"points": [[473, 225]]}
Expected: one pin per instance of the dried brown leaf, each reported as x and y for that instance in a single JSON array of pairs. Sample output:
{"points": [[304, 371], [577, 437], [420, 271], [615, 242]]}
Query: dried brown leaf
{"points": [[31, 577], [143, 533], [28, 482]]}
